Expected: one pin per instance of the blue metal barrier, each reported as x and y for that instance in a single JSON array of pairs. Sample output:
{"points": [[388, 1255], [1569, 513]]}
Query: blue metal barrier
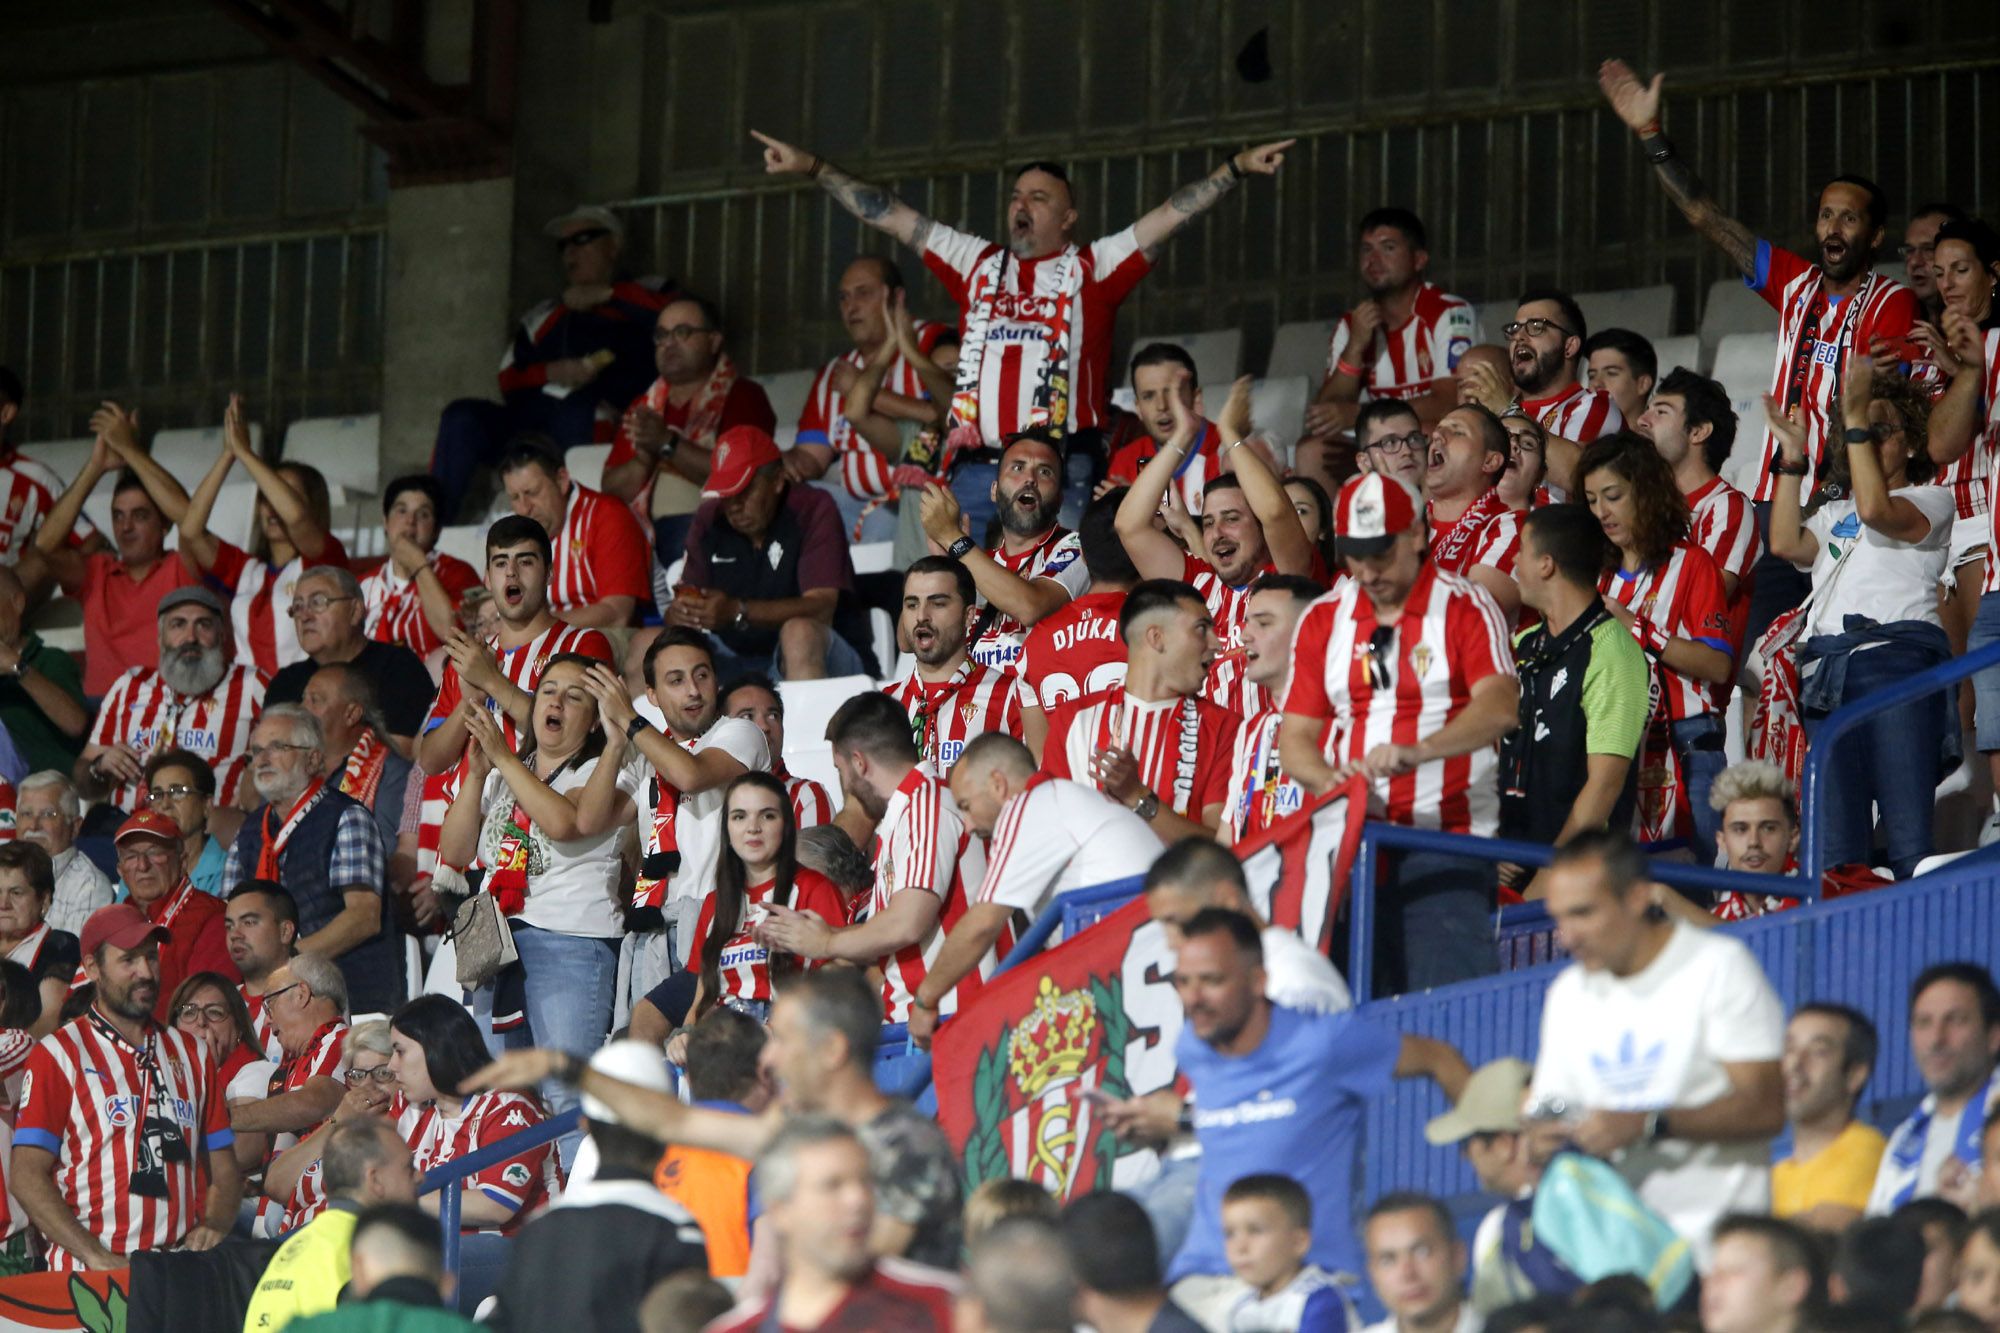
{"points": [[1072, 911], [1812, 782], [448, 1174]]}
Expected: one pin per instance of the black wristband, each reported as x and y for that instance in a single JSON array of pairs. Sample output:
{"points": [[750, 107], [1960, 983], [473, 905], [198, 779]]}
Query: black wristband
{"points": [[959, 549], [1659, 148], [1858, 435], [1235, 172], [633, 727], [572, 1069]]}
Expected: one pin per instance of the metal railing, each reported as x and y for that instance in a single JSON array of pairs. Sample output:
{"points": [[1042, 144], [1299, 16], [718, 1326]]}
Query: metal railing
{"points": [[446, 1175]]}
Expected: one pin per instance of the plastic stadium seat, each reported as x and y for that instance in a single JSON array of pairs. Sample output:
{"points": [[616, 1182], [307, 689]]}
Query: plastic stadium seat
{"points": [[787, 391], [1647, 311], [1278, 409], [1491, 315], [188, 454], [813, 761], [65, 458], [1300, 349], [1217, 354], [586, 464], [873, 557], [1743, 366], [1733, 308], [467, 541], [810, 704], [1682, 351], [345, 449]]}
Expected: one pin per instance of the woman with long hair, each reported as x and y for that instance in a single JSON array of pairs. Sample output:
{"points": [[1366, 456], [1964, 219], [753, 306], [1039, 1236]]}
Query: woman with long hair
{"points": [[547, 823], [293, 532], [1876, 540], [1671, 596], [758, 866], [208, 1006], [1315, 510], [434, 1047]]}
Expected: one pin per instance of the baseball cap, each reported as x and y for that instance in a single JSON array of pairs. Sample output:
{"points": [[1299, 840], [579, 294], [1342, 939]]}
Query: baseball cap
{"points": [[120, 925], [1489, 1104], [148, 823], [195, 593], [634, 1062], [738, 454], [595, 214], [1372, 509]]}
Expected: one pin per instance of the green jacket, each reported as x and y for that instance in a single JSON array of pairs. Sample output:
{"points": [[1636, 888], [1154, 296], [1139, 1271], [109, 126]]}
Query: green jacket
{"points": [[386, 1314]]}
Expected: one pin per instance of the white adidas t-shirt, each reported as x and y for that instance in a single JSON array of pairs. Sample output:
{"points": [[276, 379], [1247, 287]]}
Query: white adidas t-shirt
{"points": [[1884, 579]]}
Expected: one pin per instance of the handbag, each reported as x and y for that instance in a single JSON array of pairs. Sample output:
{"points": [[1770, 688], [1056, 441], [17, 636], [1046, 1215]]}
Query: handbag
{"points": [[483, 939]]}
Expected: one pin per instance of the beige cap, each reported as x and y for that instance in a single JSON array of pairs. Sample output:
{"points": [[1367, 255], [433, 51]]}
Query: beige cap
{"points": [[1490, 1104]]}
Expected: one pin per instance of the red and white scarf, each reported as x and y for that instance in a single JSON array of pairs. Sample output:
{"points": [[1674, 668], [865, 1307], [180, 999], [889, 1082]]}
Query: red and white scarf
{"points": [[1051, 397], [1451, 549], [276, 836], [651, 890], [1113, 729], [361, 778], [704, 416]]}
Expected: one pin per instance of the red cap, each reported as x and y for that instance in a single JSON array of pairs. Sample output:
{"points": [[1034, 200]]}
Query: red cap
{"points": [[120, 925], [148, 823], [738, 454], [1372, 509]]}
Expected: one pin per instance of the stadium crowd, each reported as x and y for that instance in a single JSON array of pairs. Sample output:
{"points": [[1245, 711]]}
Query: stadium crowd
{"points": [[1498, 588]]}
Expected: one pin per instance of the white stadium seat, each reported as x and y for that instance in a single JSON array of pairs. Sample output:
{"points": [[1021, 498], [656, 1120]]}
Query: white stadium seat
{"points": [[1743, 366], [586, 464], [188, 454], [347, 450], [1491, 315], [873, 557], [1278, 410], [787, 391], [467, 541], [1682, 351], [1300, 349], [65, 458], [1647, 311], [1217, 354], [1733, 308], [810, 705]]}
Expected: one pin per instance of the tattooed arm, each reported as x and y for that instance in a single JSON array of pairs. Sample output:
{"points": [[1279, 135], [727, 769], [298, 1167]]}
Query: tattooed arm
{"points": [[1638, 105], [1158, 227], [871, 203]]}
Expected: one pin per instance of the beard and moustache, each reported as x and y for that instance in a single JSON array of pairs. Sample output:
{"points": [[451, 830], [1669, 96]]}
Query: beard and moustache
{"points": [[193, 670], [1028, 522]]}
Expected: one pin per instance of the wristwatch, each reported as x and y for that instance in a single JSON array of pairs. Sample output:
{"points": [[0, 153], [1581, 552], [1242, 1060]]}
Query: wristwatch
{"points": [[742, 621], [635, 726], [1858, 435], [958, 549], [1146, 806], [1780, 468]]}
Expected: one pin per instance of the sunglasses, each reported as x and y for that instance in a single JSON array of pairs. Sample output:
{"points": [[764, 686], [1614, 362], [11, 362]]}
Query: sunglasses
{"points": [[581, 238], [1380, 661]]}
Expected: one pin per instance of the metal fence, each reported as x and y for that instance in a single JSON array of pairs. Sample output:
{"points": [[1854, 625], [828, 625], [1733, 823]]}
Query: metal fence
{"points": [[1551, 192], [292, 319]]}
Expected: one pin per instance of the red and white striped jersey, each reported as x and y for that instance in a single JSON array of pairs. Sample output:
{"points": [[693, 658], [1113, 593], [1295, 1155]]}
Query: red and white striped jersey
{"points": [[1682, 599], [923, 845], [1260, 791], [143, 713], [1970, 474], [1415, 354], [260, 607], [1202, 465], [260, 1023], [1814, 337], [1058, 556], [325, 1056], [396, 612], [28, 490], [85, 1096], [744, 969], [1499, 542], [1448, 638], [600, 552], [1725, 526], [811, 805], [864, 472], [1024, 309], [945, 715], [1989, 394], [1576, 414], [523, 666], [1076, 651], [1227, 686], [1182, 745], [522, 1183], [1485, 532], [1055, 836]]}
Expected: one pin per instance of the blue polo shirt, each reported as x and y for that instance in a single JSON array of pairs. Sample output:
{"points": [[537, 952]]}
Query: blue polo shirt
{"points": [[1295, 1105]]}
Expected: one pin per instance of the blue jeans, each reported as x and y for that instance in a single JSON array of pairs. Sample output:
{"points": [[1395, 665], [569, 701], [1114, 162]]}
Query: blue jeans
{"points": [[571, 985], [1168, 1199], [1698, 744], [1433, 923], [842, 659], [1986, 684], [879, 526], [474, 431], [1889, 761]]}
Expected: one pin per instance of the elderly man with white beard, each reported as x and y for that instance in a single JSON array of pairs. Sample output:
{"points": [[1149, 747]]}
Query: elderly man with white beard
{"points": [[200, 699], [325, 848]]}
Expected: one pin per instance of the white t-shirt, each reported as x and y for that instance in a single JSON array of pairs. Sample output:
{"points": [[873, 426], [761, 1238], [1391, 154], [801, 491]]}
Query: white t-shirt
{"points": [[1468, 1321], [1659, 1040], [1299, 976], [698, 826], [1884, 579], [1058, 836], [573, 885]]}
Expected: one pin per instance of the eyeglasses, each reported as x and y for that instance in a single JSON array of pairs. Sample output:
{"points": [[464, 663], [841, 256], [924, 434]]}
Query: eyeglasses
{"points": [[1412, 443], [1534, 328], [315, 604], [1379, 643], [202, 1013], [1917, 251], [275, 748], [156, 855], [577, 239], [379, 1074], [274, 994], [177, 792], [680, 332]]}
